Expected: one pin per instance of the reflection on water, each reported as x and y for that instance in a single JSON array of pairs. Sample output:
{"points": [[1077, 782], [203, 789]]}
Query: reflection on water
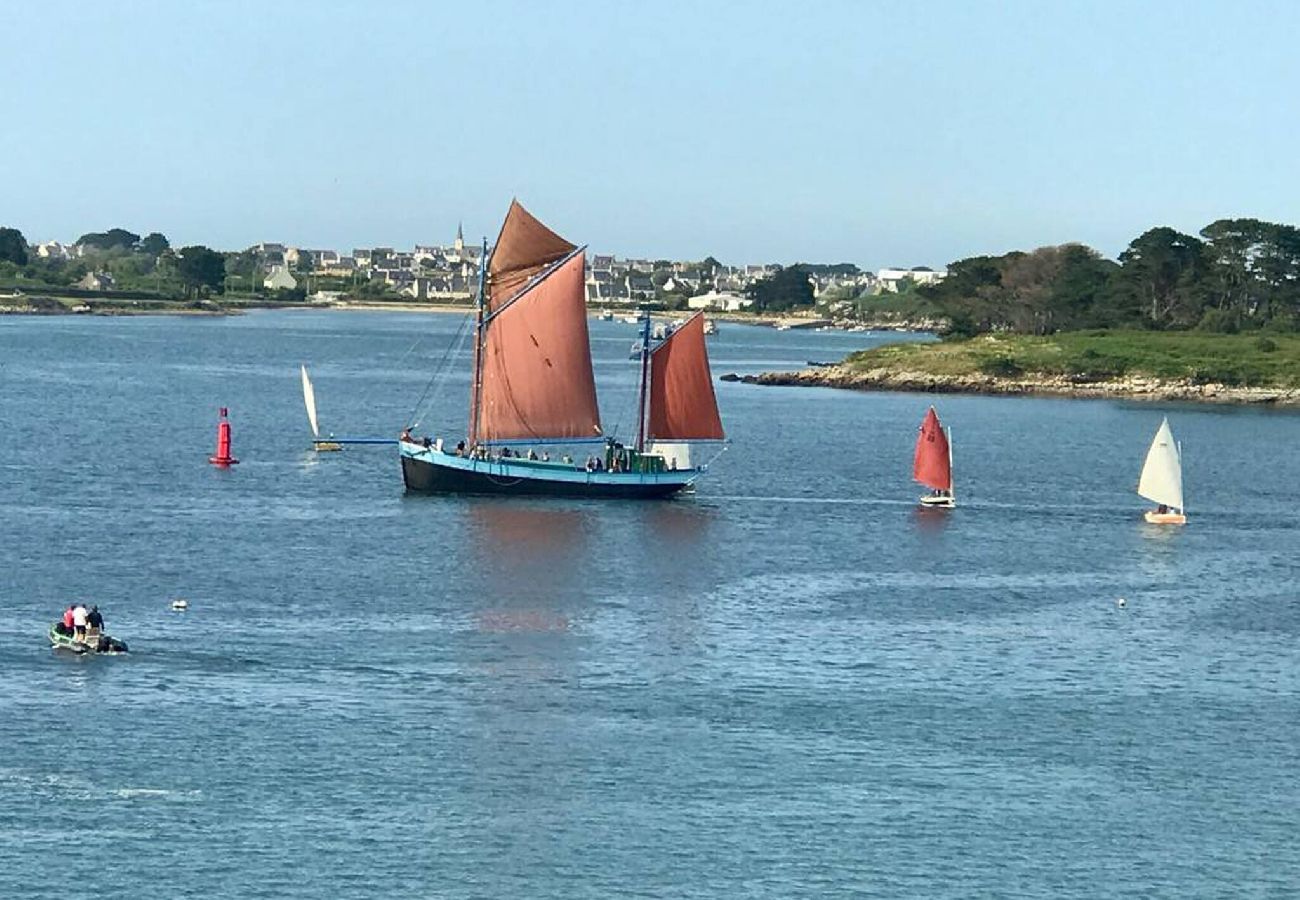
{"points": [[527, 562], [928, 521]]}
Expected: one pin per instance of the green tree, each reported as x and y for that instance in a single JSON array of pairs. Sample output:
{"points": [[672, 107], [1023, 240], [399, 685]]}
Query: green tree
{"points": [[786, 288], [200, 268], [13, 246], [153, 244], [113, 239], [1163, 271]]}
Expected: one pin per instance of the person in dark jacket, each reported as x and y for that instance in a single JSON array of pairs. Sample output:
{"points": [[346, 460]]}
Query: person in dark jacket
{"points": [[94, 622]]}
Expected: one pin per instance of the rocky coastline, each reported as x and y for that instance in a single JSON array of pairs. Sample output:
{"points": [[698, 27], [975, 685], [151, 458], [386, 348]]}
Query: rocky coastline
{"points": [[1128, 388]]}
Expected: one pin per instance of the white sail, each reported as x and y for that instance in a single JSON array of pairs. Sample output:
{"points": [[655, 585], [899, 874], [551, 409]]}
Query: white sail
{"points": [[309, 398], [1162, 474]]}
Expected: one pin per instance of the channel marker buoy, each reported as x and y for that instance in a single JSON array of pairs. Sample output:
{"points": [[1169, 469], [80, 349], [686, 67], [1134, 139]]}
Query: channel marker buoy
{"points": [[223, 457]]}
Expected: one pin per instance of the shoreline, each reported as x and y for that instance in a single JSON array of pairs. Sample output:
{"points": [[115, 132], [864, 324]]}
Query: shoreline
{"points": [[111, 307], [1140, 388]]}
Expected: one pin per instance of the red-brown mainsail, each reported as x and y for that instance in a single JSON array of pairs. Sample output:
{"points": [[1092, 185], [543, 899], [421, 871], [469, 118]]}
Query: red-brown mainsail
{"points": [[524, 249], [682, 403], [537, 382]]}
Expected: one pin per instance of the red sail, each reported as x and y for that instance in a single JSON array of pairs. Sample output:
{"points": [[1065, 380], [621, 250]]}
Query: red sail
{"points": [[932, 465], [682, 404], [537, 381], [523, 250]]}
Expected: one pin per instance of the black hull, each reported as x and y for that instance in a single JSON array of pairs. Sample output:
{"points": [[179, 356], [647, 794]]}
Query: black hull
{"points": [[426, 478]]}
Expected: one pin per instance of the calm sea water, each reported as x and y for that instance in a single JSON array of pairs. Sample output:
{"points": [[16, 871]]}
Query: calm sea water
{"points": [[790, 684]]}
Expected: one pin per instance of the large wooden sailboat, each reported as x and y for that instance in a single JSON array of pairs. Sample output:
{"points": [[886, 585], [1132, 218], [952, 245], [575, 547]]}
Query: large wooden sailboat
{"points": [[533, 386], [932, 462], [1162, 479]]}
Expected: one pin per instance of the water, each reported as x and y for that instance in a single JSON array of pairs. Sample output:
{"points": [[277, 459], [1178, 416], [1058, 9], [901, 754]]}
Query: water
{"points": [[791, 684]]}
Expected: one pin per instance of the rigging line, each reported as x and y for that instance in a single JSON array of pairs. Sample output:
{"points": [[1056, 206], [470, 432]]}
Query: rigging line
{"points": [[440, 370]]}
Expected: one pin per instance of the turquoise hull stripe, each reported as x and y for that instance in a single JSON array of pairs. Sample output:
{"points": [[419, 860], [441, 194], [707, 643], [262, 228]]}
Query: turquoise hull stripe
{"points": [[560, 472]]}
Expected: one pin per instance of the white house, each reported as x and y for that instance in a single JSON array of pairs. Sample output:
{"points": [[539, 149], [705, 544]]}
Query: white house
{"points": [[720, 301], [279, 278], [52, 250], [890, 279]]}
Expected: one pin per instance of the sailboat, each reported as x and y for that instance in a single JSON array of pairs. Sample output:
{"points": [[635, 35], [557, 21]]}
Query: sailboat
{"points": [[532, 385], [1162, 479], [309, 399], [932, 462]]}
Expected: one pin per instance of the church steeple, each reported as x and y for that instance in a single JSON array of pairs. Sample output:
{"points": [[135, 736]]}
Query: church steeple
{"points": [[460, 237]]}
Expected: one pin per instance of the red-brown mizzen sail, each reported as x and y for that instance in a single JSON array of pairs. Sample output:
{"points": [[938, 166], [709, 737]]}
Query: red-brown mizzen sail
{"points": [[523, 250], [537, 380], [682, 403], [932, 465]]}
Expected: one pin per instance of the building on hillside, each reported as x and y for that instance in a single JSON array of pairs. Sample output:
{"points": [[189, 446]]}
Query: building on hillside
{"points": [[676, 283], [720, 300], [96, 281], [52, 250], [279, 279], [891, 279]]}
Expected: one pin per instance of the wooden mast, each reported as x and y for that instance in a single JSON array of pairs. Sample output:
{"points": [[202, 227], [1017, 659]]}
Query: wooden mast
{"points": [[476, 382], [645, 383]]}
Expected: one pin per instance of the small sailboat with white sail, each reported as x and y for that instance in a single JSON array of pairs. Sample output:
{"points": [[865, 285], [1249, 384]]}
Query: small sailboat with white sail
{"points": [[1162, 479], [932, 462], [309, 400]]}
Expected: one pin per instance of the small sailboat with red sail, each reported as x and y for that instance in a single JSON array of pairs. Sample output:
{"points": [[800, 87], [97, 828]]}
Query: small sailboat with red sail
{"points": [[532, 385], [932, 462]]}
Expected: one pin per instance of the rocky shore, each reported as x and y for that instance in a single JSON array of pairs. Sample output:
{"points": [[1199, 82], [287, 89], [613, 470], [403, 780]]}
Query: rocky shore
{"points": [[1127, 388]]}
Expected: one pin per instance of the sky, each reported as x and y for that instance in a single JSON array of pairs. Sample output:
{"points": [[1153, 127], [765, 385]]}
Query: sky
{"points": [[879, 133]]}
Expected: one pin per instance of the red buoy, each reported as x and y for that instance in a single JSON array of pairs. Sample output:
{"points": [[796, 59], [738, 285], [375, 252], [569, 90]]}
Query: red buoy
{"points": [[223, 457]]}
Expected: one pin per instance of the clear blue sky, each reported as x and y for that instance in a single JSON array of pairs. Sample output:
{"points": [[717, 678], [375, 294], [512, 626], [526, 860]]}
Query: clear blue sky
{"points": [[882, 133]]}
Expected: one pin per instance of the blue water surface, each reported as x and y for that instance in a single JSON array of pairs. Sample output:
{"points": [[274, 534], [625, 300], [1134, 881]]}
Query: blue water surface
{"points": [[792, 683]]}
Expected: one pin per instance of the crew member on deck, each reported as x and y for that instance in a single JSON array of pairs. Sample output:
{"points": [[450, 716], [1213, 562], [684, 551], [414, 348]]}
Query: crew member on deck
{"points": [[94, 622], [406, 434], [79, 621]]}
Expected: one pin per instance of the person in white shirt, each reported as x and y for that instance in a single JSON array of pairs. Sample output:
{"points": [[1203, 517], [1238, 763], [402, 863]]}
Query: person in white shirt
{"points": [[79, 621]]}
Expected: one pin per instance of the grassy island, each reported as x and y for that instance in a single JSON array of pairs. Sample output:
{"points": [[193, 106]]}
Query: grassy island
{"points": [[1187, 365], [1082, 357]]}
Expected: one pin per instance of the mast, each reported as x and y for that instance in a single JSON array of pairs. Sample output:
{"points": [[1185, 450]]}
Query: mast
{"points": [[642, 409], [952, 481], [476, 379]]}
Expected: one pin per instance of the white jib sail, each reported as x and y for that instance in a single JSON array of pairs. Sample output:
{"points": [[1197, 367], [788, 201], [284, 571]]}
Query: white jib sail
{"points": [[1162, 474], [309, 398]]}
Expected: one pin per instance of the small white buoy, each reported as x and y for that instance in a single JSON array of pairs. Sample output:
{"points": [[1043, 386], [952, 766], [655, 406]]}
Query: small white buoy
{"points": [[179, 605], [1121, 603]]}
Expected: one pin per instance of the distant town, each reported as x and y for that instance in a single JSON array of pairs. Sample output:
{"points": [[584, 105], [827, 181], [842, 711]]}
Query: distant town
{"points": [[118, 260]]}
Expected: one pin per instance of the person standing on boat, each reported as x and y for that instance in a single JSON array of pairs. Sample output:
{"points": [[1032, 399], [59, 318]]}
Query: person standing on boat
{"points": [[79, 621], [94, 622], [67, 618]]}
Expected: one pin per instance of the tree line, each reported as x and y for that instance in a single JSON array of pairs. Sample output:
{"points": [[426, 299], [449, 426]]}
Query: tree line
{"points": [[146, 263], [1237, 274]]}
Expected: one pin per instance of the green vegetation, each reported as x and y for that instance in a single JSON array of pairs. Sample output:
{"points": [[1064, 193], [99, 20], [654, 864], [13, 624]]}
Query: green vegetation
{"points": [[1240, 274], [1090, 356], [785, 289], [13, 247]]}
